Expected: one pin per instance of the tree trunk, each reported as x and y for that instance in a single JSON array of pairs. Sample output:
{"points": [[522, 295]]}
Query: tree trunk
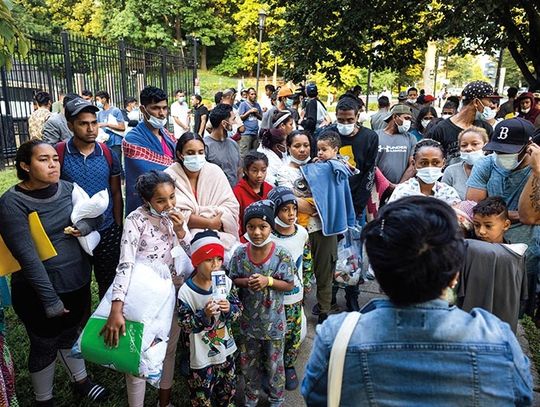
{"points": [[203, 66]]}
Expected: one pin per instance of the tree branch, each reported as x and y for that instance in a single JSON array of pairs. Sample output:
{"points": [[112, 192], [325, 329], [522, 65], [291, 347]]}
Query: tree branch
{"points": [[520, 62]]}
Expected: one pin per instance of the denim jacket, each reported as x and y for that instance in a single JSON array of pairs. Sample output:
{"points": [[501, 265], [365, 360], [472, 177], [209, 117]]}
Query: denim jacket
{"points": [[430, 354]]}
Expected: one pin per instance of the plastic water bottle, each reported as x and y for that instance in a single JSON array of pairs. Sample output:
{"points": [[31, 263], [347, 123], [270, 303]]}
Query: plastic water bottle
{"points": [[219, 285]]}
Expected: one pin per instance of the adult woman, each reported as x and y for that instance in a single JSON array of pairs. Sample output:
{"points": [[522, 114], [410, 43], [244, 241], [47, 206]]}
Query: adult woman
{"points": [[203, 193], [428, 160], [417, 348], [283, 120], [273, 145], [471, 141], [323, 248], [425, 115], [50, 297]]}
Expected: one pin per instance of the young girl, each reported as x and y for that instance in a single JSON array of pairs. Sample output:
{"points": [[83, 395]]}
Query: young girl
{"points": [[252, 187], [263, 272], [295, 238], [212, 377], [149, 235]]}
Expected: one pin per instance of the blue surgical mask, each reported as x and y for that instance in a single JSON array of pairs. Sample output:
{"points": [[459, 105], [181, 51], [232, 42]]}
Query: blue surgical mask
{"points": [[99, 105], [345, 129], [472, 157], [289, 102], [508, 162], [429, 175]]}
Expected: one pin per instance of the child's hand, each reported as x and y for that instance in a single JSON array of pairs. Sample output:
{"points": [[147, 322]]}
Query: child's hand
{"points": [[257, 282], [211, 309], [224, 306], [178, 223], [116, 325]]}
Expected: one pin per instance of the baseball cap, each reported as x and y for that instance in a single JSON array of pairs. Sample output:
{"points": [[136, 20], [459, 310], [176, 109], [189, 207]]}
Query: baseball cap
{"points": [[400, 108], [76, 106], [284, 91], [402, 96], [311, 90], [478, 90], [429, 99], [510, 136]]}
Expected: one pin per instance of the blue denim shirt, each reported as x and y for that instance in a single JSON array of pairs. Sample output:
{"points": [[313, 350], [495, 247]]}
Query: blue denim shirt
{"points": [[423, 355]]}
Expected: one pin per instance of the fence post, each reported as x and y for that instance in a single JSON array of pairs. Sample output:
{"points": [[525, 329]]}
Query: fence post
{"points": [[67, 61], [123, 69], [164, 70], [4, 119], [195, 60]]}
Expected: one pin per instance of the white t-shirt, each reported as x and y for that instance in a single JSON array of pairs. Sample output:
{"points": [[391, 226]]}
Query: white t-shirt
{"points": [[180, 111], [295, 244]]}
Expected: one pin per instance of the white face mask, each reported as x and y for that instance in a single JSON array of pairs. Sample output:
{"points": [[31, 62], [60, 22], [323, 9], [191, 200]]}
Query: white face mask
{"points": [[155, 122], [429, 174], [299, 162], [268, 240], [507, 161], [425, 122], [472, 157], [280, 223], [134, 114], [345, 129], [526, 110], [194, 163], [446, 116], [181, 99], [411, 101], [404, 128]]}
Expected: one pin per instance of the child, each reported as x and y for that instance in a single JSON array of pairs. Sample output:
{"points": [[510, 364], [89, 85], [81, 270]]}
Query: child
{"points": [[295, 238], [212, 376], [150, 233], [263, 272], [490, 219], [252, 187]]}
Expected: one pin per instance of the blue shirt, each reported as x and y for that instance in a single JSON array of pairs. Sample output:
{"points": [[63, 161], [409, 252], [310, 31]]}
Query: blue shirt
{"points": [[92, 173], [103, 117], [251, 123], [429, 354]]}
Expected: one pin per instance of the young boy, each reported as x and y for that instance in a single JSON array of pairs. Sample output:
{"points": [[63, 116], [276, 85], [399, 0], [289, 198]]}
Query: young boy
{"points": [[490, 220], [295, 238], [212, 376], [264, 272], [328, 145]]}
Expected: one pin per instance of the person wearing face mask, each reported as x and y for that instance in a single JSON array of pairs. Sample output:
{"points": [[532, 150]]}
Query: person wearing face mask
{"points": [[527, 109], [284, 102], [471, 141], [220, 148], [131, 114], [274, 146], [180, 114], [359, 145], [111, 121], [203, 194], [149, 146], [476, 111], [396, 145], [425, 117], [449, 109], [413, 101], [505, 173], [428, 161]]}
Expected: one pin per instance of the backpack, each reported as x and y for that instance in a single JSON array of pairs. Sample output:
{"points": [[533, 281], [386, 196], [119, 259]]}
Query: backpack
{"points": [[61, 149]]}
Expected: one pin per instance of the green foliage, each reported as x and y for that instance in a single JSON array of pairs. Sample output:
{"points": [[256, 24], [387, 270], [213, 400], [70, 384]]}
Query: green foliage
{"points": [[12, 39], [7, 180], [463, 69]]}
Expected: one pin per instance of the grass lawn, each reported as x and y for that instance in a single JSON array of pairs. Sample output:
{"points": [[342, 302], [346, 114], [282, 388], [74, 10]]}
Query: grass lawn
{"points": [[18, 344], [212, 82]]}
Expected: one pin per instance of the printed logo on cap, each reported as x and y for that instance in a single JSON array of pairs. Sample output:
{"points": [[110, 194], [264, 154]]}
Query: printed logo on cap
{"points": [[503, 135]]}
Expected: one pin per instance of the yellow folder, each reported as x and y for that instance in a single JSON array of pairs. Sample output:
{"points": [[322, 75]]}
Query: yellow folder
{"points": [[44, 247]]}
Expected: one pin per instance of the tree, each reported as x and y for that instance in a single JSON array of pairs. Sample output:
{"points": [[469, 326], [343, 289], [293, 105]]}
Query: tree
{"points": [[11, 37]]}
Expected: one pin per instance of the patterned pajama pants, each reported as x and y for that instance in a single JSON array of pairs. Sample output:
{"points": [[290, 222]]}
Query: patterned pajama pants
{"points": [[260, 359], [106, 258], [214, 385], [293, 313]]}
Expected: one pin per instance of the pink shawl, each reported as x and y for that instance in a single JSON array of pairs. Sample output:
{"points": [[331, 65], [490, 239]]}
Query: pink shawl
{"points": [[214, 195]]}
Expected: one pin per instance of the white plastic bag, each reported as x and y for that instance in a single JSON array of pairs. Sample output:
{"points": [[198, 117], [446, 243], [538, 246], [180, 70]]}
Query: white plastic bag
{"points": [[349, 263], [85, 207]]}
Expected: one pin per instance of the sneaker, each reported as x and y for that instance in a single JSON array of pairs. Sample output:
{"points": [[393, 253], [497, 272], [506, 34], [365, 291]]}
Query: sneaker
{"points": [[291, 379], [322, 317], [47, 403], [92, 391]]}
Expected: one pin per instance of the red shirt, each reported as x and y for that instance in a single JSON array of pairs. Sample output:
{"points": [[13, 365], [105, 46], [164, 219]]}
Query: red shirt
{"points": [[245, 195]]}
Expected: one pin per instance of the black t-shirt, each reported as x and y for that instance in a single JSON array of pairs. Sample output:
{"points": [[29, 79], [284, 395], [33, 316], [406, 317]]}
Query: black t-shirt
{"points": [[199, 111], [447, 134]]}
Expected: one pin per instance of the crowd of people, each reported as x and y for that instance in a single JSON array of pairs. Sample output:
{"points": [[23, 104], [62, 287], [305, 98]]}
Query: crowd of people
{"points": [[448, 206]]}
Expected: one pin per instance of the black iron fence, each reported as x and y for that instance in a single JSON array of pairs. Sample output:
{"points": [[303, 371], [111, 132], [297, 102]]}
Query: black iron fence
{"points": [[68, 63]]}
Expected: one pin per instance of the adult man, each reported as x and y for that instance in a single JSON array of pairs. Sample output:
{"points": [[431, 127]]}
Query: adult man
{"points": [[56, 128], [476, 101], [508, 106], [315, 115], [505, 174], [94, 169], [377, 119], [37, 119], [180, 114], [266, 102], [527, 108], [221, 150], [449, 109], [396, 145], [149, 146], [200, 113], [87, 95], [428, 100], [412, 98], [111, 121], [131, 113], [250, 113]]}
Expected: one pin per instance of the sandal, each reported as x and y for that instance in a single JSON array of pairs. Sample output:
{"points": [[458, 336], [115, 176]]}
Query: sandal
{"points": [[291, 379], [92, 391]]}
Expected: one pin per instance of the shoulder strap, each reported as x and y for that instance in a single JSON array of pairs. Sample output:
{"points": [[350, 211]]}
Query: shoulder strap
{"points": [[107, 153], [337, 358], [61, 149]]}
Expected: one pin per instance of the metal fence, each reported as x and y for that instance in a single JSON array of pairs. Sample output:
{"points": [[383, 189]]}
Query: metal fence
{"points": [[68, 63]]}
